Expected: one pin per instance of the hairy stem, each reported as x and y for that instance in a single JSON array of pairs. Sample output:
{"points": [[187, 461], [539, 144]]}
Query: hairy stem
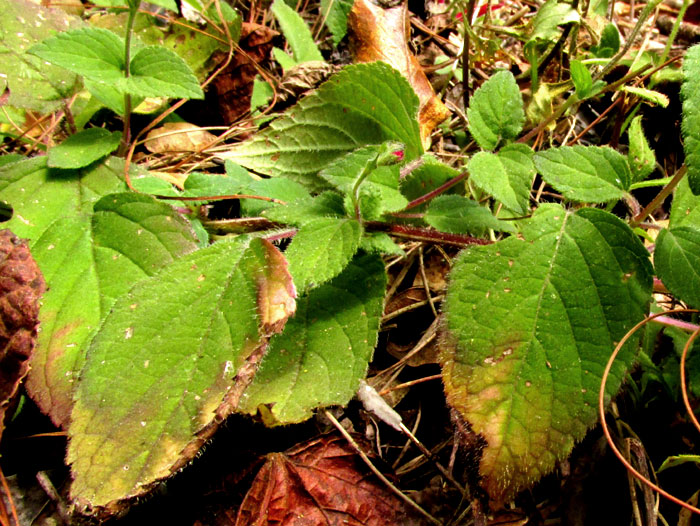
{"points": [[126, 134]]}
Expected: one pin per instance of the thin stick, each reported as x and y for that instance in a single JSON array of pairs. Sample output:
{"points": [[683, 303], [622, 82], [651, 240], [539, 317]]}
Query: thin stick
{"points": [[684, 386], [604, 424], [660, 197], [378, 473]]}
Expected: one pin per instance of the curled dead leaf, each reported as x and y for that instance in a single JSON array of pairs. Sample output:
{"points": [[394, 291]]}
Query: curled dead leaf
{"points": [[21, 286], [178, 137], [382, 34], [320, 482]]}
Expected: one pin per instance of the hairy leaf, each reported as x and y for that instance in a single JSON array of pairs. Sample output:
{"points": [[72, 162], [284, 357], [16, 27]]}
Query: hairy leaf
{"points": [[301, 211], [321, 250], [363, 104], [685, 207], [496, 111], [531, 325], [677, 262], [427, 177], [590, 174], [91, 52], [506, 175], [84, 148], [88, 259], [33, 84], [335, 13], [460, 215], [276, 188], [296, 32], [551, 15], [641, 157], [164, 360], [324, 350], [159, 72], [376, 183], [690, 126]]}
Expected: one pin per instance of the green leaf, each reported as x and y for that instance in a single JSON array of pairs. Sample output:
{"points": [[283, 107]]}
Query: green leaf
{"points": [[109, 95], [277, 188], [430, 175], [677, 262], [196, 47], [496, 112], [87, 258], [335, 13], [159, 72], [582, 79], [653, 97], [130, 237], [157, 373], [460, 215], [95, 53], [641, 158], [678, 460], [545, 25], [531, 324], [324, 350], [609, 42], [690, 126], [84, 148], [200, 184], [301, 211], [685, 207], [363, 104], [283, 59], [32, 83], [296, 32], [506, 175], [321, 250], [590, 174], [380, 243], [376, 184]]}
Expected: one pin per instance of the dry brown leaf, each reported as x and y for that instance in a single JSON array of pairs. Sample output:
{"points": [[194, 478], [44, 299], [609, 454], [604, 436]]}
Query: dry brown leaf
{"points": [[178, 137], [320, 482], [21, 285], [383, 34], [234, 86]]}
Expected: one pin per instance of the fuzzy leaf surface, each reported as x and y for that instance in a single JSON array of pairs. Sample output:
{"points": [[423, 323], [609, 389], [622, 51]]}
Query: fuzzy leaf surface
{"points": [[163, 361], [382, 183], [324, 350], [677, 262], [321, 250], [506, 175], [336, 17], [641, 157], [531, 324], [427, 177], [33, 84], [296, 32], [91, 52], [160, 72], [460, 215], [301, 211], [589, 174], [496, 111], [685, 207], [84, 148], [690, 126], [363, 104], [89, 259]]}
